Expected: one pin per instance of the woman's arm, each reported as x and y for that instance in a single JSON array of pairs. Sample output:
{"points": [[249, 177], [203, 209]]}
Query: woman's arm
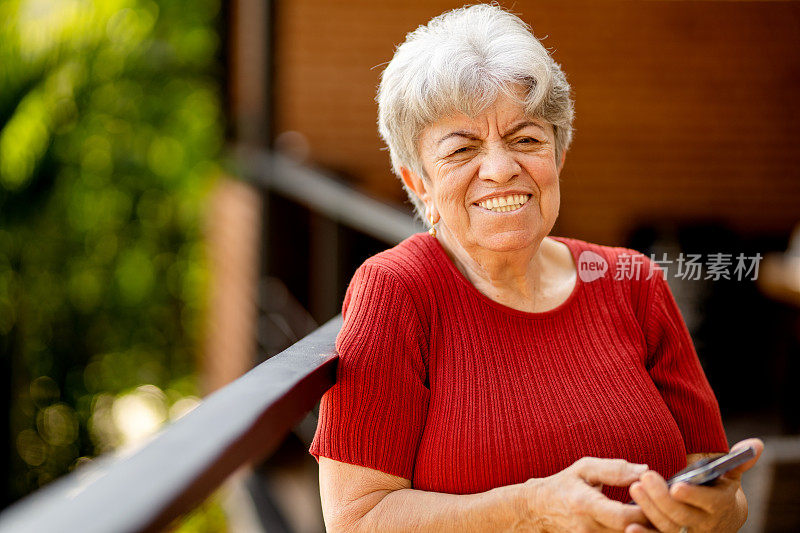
{"points": [[356, 498]]}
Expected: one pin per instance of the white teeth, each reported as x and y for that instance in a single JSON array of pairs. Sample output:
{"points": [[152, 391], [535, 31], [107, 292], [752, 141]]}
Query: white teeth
{"points": [[506, 208], [505, 204]]}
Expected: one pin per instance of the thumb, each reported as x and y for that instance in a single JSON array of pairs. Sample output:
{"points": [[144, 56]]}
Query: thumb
{"points": [[617, 472], [758, 446]]}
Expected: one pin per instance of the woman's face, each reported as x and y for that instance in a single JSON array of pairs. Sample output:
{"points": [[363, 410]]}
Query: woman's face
{"points": [[493, 178]]}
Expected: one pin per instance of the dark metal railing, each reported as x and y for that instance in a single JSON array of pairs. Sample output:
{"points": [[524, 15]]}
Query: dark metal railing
{"points": [[146, 489], [327, 196], [338, 217]]}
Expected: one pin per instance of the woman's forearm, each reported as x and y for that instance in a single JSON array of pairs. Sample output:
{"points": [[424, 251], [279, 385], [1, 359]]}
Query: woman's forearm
{"points": [[498, 509], [356, 498]]}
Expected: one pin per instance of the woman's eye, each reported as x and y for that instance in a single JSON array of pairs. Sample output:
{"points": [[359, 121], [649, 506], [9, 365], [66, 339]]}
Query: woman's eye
{"points": [[461, 150], [527, 140]]}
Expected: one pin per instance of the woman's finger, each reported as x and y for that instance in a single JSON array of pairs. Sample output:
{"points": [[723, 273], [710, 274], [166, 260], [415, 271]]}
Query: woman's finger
{"points": [[594, 525], [678, 512], [706, 498], [651, 510], [638, 528], [613, 514], [758, 446], [616, 472]]}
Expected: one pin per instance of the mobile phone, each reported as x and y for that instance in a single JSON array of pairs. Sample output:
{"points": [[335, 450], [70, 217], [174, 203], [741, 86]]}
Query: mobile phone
{"points": [[705, 471]]}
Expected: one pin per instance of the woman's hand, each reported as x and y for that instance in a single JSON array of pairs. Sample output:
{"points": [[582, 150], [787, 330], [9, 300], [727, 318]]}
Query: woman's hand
{"points": [[720, 507], [571, 499]]}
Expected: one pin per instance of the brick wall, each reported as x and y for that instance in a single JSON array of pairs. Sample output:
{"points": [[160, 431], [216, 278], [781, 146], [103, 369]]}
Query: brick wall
{"points": [[685, 110]]}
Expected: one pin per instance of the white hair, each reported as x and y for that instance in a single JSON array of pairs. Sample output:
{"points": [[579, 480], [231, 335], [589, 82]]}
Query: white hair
{"points": [[462, 60]]}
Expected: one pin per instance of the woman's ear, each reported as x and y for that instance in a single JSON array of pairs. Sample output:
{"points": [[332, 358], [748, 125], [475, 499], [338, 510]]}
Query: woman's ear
{"points": [[561, 163], [415, 184]]}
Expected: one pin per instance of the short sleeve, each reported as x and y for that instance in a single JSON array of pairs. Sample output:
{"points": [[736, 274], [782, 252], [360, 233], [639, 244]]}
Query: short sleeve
{"points": [[375, 413], [676, 371]]}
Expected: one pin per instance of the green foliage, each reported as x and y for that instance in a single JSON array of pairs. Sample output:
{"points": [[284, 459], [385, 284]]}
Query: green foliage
{"points": [[208, 517], [109, 128]]}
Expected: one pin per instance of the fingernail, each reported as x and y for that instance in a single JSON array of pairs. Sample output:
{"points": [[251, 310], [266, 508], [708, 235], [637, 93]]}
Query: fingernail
{"points": [[641, 467]]}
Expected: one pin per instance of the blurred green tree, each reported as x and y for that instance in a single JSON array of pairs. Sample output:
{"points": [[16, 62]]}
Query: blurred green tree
{"points": [[110, 125]]}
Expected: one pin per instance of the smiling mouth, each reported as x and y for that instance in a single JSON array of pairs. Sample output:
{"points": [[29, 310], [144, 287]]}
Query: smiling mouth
{"points": [[505, 204]]}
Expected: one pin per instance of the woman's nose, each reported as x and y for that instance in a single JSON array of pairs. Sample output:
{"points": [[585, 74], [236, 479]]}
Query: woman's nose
{"points": [[499, 165]]}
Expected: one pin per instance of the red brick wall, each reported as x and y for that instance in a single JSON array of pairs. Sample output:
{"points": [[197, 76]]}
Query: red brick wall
{"points": [[684, 109]]}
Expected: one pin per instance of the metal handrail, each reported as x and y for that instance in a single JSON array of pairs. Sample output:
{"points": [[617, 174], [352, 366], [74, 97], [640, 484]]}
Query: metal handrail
{"points": [[325, 194], [239, 424]]}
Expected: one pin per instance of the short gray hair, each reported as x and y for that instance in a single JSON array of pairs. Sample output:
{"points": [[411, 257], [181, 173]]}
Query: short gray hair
{"points": [[461, 61]]}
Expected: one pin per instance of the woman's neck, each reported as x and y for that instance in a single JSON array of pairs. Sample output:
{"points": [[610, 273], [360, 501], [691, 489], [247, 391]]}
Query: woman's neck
{"points": [[514, 278]]}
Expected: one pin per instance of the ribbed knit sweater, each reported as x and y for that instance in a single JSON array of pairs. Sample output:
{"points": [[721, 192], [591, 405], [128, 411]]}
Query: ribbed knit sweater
{"points": [[439, 384]]}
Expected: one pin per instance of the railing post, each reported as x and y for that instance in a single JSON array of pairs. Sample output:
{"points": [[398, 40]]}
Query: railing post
{"points": [[325, 265]]}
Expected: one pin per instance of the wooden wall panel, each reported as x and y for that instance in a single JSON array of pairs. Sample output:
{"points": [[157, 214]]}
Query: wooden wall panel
{"points": [[685, 110]]}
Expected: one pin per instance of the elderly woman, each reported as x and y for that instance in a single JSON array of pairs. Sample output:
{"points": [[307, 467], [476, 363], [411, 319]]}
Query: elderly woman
{"points": [[483, 384]]}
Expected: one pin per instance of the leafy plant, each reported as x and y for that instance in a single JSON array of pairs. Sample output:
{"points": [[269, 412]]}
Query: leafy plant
{"points": [[110, 124]]}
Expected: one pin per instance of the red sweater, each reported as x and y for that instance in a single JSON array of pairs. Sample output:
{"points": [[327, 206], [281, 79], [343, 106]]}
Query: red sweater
{"points": [[441, 385]]}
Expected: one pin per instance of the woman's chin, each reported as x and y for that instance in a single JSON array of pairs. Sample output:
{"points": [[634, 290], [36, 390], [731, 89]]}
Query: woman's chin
{"points": [[509, 240]]}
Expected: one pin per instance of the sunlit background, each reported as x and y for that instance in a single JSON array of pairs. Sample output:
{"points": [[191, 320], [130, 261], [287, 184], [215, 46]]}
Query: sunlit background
{"points": [[112, 127], [147, 258]]}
